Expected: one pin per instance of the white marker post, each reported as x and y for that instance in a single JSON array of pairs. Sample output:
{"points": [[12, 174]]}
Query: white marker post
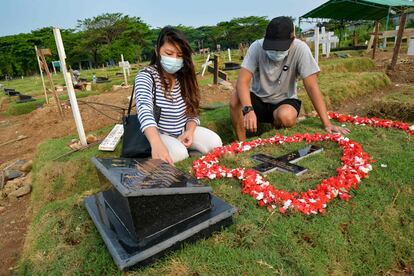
{"points": [[124, 70], [323, 40], [205, 65], [69, 86], [41, 75], [316, 40], [229, 51]]}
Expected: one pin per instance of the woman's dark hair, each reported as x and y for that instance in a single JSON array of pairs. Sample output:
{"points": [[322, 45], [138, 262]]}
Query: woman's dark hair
{"points": [[186, 75]]}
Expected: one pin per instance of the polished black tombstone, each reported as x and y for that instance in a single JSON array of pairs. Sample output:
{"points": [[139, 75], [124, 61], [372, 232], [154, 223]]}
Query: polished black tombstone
{"points": [[285, 163], [24, 98], [150, 207], [231, 66]]}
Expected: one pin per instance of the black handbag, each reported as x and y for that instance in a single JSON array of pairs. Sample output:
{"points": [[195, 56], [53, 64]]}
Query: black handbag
{"points": [[134, 142]]}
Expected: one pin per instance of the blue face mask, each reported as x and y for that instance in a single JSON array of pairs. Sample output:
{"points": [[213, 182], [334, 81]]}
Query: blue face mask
{"points": [[276, 55], [171, 65]]}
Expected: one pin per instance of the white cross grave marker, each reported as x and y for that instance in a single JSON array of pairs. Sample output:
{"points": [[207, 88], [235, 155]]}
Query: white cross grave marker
{"points": [[206, 64]]}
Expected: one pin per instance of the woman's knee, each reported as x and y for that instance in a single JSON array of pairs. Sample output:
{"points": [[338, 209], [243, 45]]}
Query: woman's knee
{"points": [[206, 140], [176, 149]]}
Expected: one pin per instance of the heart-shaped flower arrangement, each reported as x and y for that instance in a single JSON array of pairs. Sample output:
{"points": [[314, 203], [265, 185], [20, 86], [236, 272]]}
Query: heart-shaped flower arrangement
{"points": [[356, 165]]}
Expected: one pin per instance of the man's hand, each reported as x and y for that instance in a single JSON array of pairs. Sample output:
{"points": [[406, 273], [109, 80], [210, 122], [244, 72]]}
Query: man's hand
{"points": [[337, 129], [250, 121], [159, 151], [186, 138]]}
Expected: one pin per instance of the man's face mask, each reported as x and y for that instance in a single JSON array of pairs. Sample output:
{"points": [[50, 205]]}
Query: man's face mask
{"points": [[170, 64], [276, 55]]}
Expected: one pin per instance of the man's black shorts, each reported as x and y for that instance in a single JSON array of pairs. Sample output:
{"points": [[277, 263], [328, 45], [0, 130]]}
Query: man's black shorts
{"points": [[264, 111]]}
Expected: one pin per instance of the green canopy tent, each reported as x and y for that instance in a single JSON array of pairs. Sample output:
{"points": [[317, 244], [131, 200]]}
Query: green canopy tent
{"points": [[358, 9], [352, 10]]}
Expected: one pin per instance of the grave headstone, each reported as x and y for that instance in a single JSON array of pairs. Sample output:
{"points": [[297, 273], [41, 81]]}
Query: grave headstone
{"points": [[285, 163], [24, 98], [151, 207]]}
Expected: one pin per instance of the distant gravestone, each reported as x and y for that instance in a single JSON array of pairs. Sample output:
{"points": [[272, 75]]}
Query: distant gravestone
{"points": [[151, 207], [410, 51]]}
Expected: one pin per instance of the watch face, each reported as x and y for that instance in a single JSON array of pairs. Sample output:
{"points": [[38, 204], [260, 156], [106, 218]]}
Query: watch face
{"points": [[247, 109]]}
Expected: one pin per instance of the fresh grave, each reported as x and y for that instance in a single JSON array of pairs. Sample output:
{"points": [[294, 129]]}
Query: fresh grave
{"points": [[150, 208], [356, 166]]}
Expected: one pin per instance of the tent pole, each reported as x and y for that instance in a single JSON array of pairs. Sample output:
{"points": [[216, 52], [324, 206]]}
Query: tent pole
{"points": [[386, 27], [403, 19], [375, 39]]}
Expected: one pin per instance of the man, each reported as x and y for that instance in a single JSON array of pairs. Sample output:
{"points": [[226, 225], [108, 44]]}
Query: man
{"points": [[272, 66]]}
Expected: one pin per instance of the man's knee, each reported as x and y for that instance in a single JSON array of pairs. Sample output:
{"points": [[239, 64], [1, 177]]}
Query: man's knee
{"points": [[287, 120], [285, 116]]}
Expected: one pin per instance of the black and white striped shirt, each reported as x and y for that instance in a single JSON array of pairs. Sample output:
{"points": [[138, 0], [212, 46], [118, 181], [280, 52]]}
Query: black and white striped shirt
{"points": [[173, 116]]}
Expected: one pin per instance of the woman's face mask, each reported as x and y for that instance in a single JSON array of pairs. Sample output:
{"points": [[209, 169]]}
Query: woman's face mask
{"points": [[171, 65], [276, 55]]}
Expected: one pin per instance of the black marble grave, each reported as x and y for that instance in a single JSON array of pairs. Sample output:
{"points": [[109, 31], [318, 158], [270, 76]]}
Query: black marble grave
{"points": [[11, 92], [24, 98], [151, 207], [286, 162], [231, 66]]}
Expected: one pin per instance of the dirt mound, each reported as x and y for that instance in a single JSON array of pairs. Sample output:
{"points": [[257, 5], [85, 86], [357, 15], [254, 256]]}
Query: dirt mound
{"points": [[392, 110], [403, 73]]}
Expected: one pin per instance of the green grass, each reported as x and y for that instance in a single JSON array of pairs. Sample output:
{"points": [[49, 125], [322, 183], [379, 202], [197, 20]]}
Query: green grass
{"points": [[14, 108], [347, 65], [371, 234]]}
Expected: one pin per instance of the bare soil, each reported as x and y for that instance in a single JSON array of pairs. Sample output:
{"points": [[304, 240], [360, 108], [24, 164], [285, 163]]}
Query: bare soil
{"points": [[43, 124]]}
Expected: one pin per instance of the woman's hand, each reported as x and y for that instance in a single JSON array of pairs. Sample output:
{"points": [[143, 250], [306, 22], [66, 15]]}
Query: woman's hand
{"points": [[186, 138], [159, 151]]}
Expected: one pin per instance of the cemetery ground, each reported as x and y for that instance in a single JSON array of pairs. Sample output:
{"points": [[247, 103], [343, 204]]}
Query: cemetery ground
{"points": [[373, 233]]}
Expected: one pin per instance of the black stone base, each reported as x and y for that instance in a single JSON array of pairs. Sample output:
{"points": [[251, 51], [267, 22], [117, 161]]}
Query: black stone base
{"points": [[125, 249]]}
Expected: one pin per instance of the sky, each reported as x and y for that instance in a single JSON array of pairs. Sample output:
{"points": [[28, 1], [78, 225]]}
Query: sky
{"points": [[23, 16]]}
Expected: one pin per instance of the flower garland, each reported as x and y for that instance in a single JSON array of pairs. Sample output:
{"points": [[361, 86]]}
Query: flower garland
{"points": [[356, 165], [371, 122]]}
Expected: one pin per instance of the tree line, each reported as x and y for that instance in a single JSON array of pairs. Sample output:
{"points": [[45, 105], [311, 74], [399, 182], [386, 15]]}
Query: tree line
{"points": [[102, 39]]}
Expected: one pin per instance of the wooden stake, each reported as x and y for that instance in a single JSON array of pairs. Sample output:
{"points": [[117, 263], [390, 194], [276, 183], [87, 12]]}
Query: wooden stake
{"points": [[403, 19], [52, 85], [41, 75], [216, 69]]}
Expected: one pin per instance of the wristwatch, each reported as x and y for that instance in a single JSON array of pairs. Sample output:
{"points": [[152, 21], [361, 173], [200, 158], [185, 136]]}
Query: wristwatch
{"points": [[246, 109]]}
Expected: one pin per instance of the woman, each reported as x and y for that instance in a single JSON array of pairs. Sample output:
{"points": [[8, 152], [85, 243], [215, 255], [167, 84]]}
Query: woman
{"points": [[171, 73]]}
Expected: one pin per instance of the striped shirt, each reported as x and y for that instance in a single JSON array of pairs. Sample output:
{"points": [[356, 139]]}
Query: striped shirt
{"points": [[173, 116]]}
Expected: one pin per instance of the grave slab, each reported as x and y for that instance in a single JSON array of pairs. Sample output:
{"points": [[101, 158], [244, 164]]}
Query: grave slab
{"points": [[151, 208], [285, 163]]}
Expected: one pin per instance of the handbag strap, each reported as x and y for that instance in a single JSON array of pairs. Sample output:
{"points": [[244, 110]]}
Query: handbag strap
{"points": [[154, 101]]}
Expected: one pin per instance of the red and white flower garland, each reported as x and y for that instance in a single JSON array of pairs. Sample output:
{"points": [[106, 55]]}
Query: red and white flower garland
{"points": [[375, 122], [356, 165]]}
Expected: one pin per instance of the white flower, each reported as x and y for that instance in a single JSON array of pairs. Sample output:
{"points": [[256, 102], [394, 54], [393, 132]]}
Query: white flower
{"points": [[384, 165], [411, 127], [287, 204], [260, 196]]}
